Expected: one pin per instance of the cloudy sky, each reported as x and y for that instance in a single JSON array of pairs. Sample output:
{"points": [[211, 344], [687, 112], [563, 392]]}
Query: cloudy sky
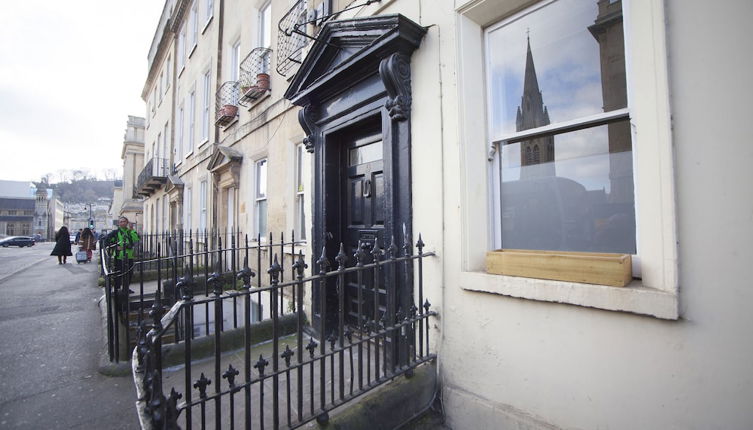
{"points": [[70, 74]]}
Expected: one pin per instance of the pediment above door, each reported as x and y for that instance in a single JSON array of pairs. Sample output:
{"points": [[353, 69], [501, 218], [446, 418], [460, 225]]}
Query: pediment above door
{"points": [[225, 165], [348, 50]]}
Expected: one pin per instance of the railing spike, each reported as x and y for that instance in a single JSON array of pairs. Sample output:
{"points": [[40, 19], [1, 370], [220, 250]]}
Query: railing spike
{"points": [[261, 364], [392, 249], [300, 265], [274, 270], [341, 258], [323, 262], [311, 347], [201, 384], [230, 375], [286, 355]]}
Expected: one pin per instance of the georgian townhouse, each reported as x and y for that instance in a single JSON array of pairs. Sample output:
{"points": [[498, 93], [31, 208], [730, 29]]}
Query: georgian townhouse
{"points": [[578, 168]]}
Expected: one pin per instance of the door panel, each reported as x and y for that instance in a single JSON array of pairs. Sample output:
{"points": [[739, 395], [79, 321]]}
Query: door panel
{"points": [[364, 220]]}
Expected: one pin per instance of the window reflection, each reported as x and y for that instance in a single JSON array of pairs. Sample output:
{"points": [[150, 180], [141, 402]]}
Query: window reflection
{"points": [[570, 191]]}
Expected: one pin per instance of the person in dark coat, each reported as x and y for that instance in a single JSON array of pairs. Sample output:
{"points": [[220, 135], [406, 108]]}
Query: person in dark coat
{"points": [[62, 245]]}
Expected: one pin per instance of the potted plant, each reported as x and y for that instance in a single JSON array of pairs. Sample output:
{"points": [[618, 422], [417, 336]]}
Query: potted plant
{"points": [[229, 110], [262, 81]]}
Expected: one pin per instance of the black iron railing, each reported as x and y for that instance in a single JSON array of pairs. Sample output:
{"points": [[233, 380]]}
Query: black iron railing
{"points": [[306, 370]]}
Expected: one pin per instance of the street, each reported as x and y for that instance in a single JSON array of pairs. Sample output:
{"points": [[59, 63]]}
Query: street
{"points": [[51, 337]]}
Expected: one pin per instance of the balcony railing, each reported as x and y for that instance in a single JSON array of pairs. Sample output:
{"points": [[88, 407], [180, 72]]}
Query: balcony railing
{"points": [[254, 76], [153, 176], [227, 103]]}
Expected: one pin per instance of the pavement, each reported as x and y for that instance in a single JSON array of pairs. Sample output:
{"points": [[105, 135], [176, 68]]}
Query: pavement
{"points": [[51, 337]]}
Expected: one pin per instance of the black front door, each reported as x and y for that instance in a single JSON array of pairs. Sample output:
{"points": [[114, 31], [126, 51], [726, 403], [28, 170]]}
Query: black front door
{"points": [[363, 207]]}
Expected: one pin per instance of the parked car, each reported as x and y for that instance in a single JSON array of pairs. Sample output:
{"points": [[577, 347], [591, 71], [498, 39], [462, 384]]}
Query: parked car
{"points": [[19, 241]]}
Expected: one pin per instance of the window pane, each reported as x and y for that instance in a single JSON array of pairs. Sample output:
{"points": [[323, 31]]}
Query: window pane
{"points": [[299, 168], [557, 63], [301, 215], [570, 192], [261, 216], [261, 178], [265, 24], [365, 153]]}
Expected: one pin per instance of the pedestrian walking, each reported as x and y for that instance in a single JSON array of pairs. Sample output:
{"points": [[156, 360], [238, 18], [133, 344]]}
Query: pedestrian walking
{"points": [[88, 242], [78, 235], [121, 243], [62, 245]]}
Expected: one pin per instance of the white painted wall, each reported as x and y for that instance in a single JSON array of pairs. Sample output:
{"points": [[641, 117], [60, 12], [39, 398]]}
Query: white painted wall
{"points": [[509, 362]]}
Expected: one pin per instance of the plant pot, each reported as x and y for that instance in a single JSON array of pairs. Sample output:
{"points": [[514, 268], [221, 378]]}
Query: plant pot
{"points": [[262, 81], [229, 110]]}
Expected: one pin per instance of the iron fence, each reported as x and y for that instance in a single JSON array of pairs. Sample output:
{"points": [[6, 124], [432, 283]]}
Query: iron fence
{"points": [[321, 365]]}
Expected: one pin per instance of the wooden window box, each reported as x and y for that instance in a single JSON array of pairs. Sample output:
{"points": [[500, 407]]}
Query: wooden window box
{"points": [[585, 267]]}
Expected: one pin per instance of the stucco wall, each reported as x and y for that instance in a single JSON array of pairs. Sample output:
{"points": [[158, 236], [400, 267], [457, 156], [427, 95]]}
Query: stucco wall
{"points": [[515, 363]]}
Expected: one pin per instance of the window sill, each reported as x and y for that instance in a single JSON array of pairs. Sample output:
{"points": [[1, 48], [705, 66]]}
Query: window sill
{"points": [[180, 72], [258, 101], [634, 297], [203, 142], [193, 49], [206, 24], [227, 126]]}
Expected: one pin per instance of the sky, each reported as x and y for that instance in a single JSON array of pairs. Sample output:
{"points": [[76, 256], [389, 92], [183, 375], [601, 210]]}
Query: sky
{"points": [[70, 74]]}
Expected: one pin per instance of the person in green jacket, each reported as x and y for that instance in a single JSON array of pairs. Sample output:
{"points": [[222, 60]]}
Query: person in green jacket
{"points": [[121, 243]]}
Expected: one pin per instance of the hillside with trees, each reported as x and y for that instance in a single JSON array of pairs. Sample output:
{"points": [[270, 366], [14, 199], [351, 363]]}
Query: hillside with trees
{"points": [[77, 186]]}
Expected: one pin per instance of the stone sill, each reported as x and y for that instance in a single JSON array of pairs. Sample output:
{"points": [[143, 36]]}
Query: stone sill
{"points": [[634, 298]]}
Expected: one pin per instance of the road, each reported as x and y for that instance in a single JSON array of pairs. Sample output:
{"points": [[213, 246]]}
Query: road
{"points": [[51, 337]]}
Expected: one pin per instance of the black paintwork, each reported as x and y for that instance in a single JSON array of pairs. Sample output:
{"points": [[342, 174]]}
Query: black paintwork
{"points": [[356, 82]]}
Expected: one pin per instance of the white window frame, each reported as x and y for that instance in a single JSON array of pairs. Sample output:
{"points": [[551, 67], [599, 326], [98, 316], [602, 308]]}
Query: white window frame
{"points": [[203, 205], [656, 294], [299, 196], [181, 130], [158, 149], [193, 21], [181, 50], [191, 121], [208, 13], [235, 60], [168, 78], [187, 208], [161, 86], [165, 213], [261, 196], [157, 215], [265, 33], [205, 110], [166, 145]]}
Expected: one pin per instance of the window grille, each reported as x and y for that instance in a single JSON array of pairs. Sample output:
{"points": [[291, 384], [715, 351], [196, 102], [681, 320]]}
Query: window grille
{"points": [[254, 75], [292, 37], [227, 103]]}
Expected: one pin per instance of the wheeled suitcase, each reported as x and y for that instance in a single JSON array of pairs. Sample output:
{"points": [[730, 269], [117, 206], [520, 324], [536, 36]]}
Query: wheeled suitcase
{"points": [[81, 257]]}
